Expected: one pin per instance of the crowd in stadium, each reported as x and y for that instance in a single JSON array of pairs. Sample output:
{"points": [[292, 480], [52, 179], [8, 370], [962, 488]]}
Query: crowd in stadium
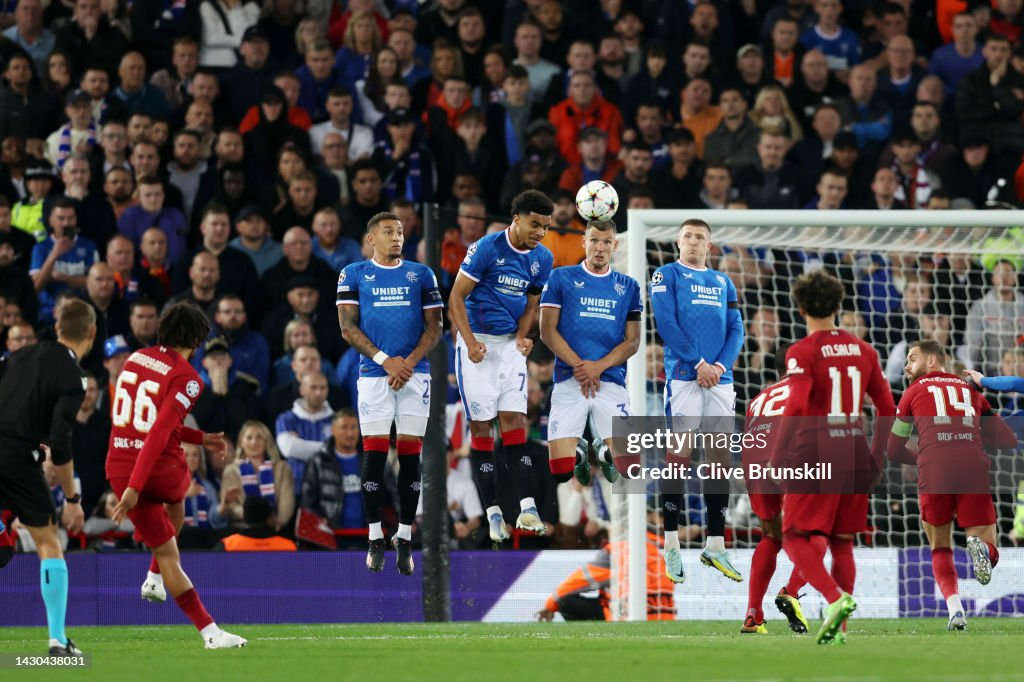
{"points": [[231, 152]]}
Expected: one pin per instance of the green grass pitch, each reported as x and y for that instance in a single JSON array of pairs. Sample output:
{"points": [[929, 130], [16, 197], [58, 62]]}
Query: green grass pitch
{"points": [[916, 649]]}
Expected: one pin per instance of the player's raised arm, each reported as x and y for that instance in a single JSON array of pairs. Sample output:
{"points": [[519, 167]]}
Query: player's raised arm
{"points": [[463, 287]]}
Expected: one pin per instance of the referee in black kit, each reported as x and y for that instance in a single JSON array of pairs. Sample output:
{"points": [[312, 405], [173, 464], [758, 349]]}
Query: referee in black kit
{"points": [[40, 393]]}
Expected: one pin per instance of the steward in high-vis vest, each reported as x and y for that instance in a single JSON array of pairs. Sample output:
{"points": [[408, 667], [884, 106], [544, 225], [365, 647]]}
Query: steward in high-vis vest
{"points": [[596, 575]]}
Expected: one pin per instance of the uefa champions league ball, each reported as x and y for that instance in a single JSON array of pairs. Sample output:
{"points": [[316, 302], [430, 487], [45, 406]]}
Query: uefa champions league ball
{"points": [[597, 200]]}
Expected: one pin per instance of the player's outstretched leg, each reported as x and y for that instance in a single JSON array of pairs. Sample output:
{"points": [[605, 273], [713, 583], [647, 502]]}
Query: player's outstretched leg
{"points": [[409, 448], [6, 545], [53, 583], [670, 504], [375, 458], [180, 587], [808, 552]]}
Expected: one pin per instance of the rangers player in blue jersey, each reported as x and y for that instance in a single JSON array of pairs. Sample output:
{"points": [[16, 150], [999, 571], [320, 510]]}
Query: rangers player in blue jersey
{"points": [[494, 303], [390, 311], [697, 314], [590, 319]]}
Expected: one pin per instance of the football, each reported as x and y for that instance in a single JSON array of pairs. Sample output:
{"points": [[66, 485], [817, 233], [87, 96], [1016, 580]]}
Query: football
{"points": [[597, 200]]}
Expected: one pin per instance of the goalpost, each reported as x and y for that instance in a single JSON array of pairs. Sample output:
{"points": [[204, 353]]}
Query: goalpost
{"points": [[874, 253]]}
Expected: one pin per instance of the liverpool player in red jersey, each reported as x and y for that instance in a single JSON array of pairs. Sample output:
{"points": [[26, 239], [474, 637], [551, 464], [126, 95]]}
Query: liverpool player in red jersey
{"points": [[763, 415], [828, 372], [145, 464], [954, 424]]}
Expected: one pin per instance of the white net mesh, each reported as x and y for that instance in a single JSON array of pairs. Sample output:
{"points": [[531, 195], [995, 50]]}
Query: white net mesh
{"points": [[929, 275]]}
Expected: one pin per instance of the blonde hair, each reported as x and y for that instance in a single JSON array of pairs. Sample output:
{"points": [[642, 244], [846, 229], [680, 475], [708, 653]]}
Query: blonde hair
{"points": [[458, 71], [290, 328], [349, 40], [785, 124], [300, 43], [268, 438]]}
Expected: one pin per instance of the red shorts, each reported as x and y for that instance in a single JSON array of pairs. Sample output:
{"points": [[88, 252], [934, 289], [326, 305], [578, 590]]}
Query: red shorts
{"points": [[827, 514], [153, 525], [766, 505], [975, 509]]}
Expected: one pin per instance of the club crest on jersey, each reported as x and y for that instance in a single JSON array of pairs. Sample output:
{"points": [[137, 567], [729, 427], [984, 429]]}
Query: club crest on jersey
{"points": [[411, 276], [500, 261], [620, 289], [341, 277], [534, 268], [656, 279], [192, 388]]}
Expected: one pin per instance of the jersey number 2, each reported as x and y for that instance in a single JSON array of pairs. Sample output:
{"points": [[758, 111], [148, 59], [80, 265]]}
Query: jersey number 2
{"points": [[143, 416]]}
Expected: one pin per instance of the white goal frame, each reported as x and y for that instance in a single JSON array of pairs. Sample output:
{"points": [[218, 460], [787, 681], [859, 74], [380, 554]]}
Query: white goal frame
{"points": [[640, 222]]}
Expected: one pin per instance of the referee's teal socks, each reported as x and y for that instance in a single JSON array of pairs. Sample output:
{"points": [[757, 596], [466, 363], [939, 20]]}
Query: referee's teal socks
{"points": [[53, 582]]}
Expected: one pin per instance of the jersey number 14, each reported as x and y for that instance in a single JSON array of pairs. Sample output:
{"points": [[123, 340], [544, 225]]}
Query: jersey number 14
{"points": [[143, 416]]}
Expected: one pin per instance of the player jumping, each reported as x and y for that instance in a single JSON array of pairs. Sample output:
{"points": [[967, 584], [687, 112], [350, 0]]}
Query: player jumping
{"points": [[828, 372], [145, 464], [697, 313], [389, 310], [590, 319], [494, 304], [954, 424], [763, 415]]}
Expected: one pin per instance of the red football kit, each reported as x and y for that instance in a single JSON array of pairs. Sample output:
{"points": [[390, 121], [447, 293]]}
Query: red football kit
{"points": [[764, 415], [155, 392], [954, 424], [829, 372]]}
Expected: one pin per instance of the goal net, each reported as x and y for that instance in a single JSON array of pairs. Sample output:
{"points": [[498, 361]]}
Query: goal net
{"points": [[907, 274]]}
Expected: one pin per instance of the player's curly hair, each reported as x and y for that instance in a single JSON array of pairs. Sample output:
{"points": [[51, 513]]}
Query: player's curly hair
{"points": [[532, 201], [818, 294], [182, 325]]}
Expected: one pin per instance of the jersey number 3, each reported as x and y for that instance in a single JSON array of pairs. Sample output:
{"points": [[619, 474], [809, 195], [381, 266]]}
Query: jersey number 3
{"points": [[144, 414]]}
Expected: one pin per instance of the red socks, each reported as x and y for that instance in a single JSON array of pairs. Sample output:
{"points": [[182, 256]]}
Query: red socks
{"points": [[844, 570], [808, 552], [194, 609], [410, 447], [154, 567], [561, 468], [945, 571], [993, 554], [762, 568], [796, 582]]}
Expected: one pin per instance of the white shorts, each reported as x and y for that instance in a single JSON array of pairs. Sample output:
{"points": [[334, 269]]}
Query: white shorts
{"points": [[694, 408], [569, 409], [380, 405], [495, 384]]}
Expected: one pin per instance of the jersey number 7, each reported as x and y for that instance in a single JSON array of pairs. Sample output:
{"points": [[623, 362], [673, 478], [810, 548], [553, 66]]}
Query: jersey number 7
{"points": [[145, 409]]}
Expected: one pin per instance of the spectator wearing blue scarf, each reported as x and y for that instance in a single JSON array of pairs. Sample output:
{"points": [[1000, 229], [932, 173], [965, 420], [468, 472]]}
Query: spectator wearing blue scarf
{"points": [[258, 470]]}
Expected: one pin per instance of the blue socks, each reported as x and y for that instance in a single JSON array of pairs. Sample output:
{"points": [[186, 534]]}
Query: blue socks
{"points": [[53, 582]]}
